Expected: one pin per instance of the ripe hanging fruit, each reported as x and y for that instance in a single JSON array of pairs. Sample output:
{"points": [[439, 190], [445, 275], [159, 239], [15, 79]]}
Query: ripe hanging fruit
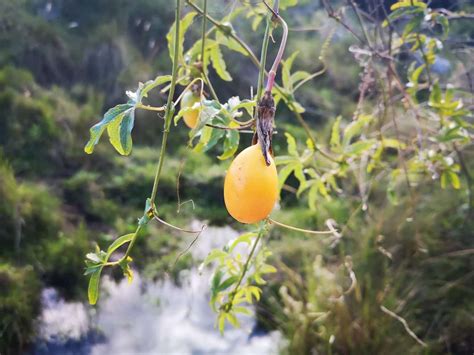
{"points": [[250, 187], [188, 100]]}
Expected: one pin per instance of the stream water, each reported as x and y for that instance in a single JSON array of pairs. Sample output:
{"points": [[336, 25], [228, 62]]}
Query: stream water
{"points": [[150, 317]]}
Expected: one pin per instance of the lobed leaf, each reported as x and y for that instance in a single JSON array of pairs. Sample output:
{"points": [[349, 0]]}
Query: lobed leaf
{"points": [[185, 22], [120, 132], [218, 63], [96, 131]]}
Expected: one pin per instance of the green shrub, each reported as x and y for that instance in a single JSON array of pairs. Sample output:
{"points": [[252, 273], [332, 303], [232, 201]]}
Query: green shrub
{"points": [[19, 307]]}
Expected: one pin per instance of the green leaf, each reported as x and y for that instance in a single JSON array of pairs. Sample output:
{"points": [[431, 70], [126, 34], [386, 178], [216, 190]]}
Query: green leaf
{"points": [[255, 291], [244, 238], [286, 71], [284, 173], [393, 143], [444, 179], [221, 322], [216, 281], [355, 128], [117, 243], [120, 132], [227, 283], [232, 320], [408, 3], [312, 196], [298, 76], [231, 144], [435, 95], [443, 21], [214, 255], [268, 269], [96, 131], [336, 133], [299, 174], [92, 269], [185, 22], [230, 43], [235, 104], [93, 289], [144, 89], [291, 142], [296, 107], [400, 12], [413, 24], [242, 310], [218, 63], [93, 257], [455, 180], [359, 147]]}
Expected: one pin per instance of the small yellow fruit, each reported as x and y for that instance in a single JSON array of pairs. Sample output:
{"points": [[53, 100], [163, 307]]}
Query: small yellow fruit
{"points": [[190, 117], [250, 186]]}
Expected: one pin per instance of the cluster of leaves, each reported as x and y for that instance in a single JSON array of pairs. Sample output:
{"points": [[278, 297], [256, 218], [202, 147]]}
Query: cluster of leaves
{"points": [[214, 114], [96, 261], [237, 276], [440, 120], [318, 174], [119, 120]]}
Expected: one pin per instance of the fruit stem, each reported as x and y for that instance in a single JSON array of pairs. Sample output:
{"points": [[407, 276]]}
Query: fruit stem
{"points": [[298, 229], [263, 58], [281, 50]]}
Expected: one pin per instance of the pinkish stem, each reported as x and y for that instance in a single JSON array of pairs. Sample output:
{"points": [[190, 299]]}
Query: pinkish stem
{"points": [[281, 50]]}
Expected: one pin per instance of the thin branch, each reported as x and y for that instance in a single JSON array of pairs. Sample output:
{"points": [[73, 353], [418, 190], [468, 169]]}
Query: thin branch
{"points": [[226, 30], [241, 128], [405, 324], [228, 305], [359, 18], [155, 216], [307, 129], [332, 14], [189, 246], [298, 229], [151, 108]]}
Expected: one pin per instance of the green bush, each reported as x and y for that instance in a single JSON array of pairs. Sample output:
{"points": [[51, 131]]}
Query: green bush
{"points": [[19, 307]]}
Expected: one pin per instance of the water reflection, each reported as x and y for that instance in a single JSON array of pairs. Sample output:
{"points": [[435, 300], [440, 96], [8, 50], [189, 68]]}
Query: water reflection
{"points": [[150, 317]]}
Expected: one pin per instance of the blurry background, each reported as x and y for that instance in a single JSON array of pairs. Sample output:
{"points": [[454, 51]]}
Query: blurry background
{"points": [[62, 64]]}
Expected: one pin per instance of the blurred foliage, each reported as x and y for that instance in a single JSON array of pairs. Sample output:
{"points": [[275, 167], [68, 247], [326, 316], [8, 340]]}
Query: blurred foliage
{"points": [[19, 305]]}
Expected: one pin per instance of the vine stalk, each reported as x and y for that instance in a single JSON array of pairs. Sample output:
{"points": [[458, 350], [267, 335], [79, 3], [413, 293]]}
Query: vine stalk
{"points": [[169, 107], [168, 116], [228, 305]]}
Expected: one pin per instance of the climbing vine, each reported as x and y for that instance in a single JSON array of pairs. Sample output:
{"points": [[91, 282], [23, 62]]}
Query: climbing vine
{"points": [[371, 146]]}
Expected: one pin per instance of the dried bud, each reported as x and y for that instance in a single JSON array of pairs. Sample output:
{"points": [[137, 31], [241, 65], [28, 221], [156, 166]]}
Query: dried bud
{"points": [[266, 115]]}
